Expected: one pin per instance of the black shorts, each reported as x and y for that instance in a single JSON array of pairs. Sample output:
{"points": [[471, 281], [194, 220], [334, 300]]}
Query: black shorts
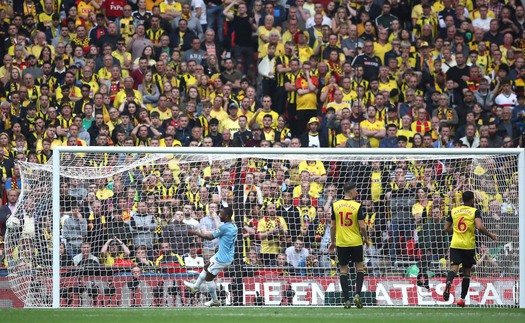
{"points": [[350, 254], [466, 257]]}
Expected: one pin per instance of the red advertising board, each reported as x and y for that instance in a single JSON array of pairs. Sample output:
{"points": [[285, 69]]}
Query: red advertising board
{"points": [[165, 291]]}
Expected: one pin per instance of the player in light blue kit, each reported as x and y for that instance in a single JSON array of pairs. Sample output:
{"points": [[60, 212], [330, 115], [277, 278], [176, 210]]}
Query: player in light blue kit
{"points": [[227, 234]]}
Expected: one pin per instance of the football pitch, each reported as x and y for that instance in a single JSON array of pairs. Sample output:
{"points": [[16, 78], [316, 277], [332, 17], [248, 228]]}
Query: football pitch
{"points": [[265, 314]]}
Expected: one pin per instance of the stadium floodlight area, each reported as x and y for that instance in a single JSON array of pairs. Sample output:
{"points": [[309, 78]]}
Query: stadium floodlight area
{"points": [[107, 226]]}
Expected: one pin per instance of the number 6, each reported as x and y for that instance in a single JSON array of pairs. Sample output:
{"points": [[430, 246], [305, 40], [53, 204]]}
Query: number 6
{"points": [[462, 226]]}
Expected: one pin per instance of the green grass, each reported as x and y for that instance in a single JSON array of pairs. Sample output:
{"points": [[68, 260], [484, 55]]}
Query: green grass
{"points": [[264, 314]]}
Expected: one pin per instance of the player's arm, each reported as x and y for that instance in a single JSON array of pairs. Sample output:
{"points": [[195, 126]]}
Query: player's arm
{"points": [[205, 236], [331, 247], [448, 224], [362, 225], [481, 228], [332, 231]]}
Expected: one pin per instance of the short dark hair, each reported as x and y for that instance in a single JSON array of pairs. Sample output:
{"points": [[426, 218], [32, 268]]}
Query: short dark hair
{"points": [[467, 196], [349, 186], [228, 210]]}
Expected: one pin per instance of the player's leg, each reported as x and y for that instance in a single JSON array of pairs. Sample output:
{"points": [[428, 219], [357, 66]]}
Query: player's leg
{"points": [[343, 279], [200, 279], [344, 259], [468, 262], [213, 270], [456, 258], [357, 258], [212, 289], [424, 267], [465, 284], [360, 277], [450, 278]]}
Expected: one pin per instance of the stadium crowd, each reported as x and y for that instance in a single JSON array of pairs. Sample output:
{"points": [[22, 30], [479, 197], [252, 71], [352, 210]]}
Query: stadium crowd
{"points": [[363, 73]]}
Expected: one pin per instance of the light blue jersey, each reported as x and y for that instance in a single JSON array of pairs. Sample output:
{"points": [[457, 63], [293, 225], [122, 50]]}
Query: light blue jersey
{"points": [[227, 235]]}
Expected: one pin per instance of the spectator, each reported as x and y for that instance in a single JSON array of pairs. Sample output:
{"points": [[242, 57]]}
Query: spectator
{"points": [[192, 259], [168, 260], [75, 230], [113, 252], [85, 257], [195, 52], [142, 260], [373, 127], [138, 42], [271, 229], [65, 259], [433, 244], [390, 140], [118, 225], [356, 140], [471, 140], [401, 199], [296, 255], [209, 224], [313, 138], [253, 259], [176, 234], [143, 226]]}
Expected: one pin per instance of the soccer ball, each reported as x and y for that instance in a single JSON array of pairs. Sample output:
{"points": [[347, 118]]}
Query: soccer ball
{"points": [[13, 223]]}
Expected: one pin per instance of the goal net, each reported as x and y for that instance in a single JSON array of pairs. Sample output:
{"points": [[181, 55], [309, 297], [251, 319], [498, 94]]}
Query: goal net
{"points": [[108, 227]]}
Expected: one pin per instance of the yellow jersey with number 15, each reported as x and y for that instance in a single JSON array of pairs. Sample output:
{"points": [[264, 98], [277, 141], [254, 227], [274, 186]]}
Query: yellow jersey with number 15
{"points": [[464, 227], [346, 214]]}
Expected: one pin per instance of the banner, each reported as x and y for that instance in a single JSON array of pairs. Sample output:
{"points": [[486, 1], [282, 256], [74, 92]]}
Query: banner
{"points": [[301, 291]]}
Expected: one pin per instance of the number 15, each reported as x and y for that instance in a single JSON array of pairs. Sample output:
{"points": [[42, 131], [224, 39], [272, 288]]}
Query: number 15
{"points": [[345, 219]]}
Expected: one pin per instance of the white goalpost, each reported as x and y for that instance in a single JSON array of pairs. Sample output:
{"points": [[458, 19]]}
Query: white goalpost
{"points": [[105, 226]]}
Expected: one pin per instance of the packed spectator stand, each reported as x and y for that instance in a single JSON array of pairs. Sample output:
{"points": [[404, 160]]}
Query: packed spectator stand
{"points": [[445, 74]]}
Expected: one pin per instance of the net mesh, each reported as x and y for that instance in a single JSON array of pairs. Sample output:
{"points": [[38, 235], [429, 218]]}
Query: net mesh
{"points": [[125, 216]]}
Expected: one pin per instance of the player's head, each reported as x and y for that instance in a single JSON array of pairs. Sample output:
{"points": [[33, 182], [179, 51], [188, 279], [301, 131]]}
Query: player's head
{"points": [[349, 188], [226, 214], [468, 198]]}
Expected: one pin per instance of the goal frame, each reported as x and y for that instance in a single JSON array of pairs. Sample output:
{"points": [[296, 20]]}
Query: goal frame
{"points": [[58, 150]]}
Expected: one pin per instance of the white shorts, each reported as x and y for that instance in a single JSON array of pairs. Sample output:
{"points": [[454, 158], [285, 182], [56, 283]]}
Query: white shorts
{"points": [[216, 267]]}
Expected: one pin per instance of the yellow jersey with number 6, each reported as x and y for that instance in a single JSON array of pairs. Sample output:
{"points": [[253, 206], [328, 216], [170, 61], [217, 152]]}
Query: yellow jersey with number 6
{"points": [[464, 227], [346, 214]]}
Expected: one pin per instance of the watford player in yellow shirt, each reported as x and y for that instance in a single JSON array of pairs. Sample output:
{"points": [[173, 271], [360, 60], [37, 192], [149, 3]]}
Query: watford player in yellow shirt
{"points": [[348, 232], [462, 222]]}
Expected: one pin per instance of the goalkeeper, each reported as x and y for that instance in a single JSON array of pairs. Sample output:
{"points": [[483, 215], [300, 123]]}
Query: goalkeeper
{"points": [[227, 234], [462, 222]]}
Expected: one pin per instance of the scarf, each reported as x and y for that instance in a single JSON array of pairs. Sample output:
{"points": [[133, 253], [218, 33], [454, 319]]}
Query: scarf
{"points": [[187, 17], [445, 114], [319, 232], [270, 224]]}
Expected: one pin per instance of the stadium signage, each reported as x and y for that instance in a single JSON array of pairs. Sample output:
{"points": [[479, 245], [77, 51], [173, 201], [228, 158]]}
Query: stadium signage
{"points": [[300, 291], [391, 292]]}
